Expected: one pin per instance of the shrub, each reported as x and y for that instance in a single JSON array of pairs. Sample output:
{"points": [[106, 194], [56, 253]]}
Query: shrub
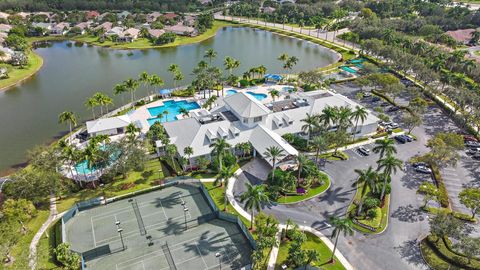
{"points": [[371, 213], [127, 186], [370, 203], [442, 190], [244, 83]]}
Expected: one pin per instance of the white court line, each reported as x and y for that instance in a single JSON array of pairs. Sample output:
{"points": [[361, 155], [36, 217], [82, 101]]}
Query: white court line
{"points": [[93, 233], [200, 252], [143, 265], [163, 209]]}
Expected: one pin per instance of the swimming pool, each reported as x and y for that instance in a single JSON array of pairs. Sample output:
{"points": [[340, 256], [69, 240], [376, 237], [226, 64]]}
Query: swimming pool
{"points": [[82, 167], [258, 96], [231, 92], [172, 107], [287, 88], [357, 61], [348, 69]]}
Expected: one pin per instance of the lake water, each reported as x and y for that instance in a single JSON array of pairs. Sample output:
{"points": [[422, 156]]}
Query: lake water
{"points": [[71, 74]]}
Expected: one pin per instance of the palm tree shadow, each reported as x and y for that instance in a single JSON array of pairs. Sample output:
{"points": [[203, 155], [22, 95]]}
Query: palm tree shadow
{"points": [[408, 213], [410, 251], [332, 196]]}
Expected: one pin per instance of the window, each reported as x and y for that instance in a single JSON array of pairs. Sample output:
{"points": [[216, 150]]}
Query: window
{"points": [[245, 120], [257, 119]]}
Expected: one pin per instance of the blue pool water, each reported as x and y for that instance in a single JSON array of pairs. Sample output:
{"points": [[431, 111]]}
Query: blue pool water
{"points": [[287, 88], [231, 92], [82, 167], [357, 61], [172, 107], [258, 96], [348, 69]]}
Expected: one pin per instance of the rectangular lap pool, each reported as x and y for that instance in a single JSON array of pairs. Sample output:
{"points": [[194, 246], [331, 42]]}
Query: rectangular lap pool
{"points": [[169, 110]]}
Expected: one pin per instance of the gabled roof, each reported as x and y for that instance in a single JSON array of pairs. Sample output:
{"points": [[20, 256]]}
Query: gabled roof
{"points": [[5, 27], [104, 124], [461, 35], [246, 105], [170, 15], [263, 138], [156, 32], [131, 32]]}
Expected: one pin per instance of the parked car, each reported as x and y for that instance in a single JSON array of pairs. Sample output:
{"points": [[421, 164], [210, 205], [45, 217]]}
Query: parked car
{"points": [[423, 169], [364, 151], [393, 109], [393, 125], [376, 99], [476, 156], [406, 137], [473, 151], [400, 139], [420, 164], [472, 144], [469, 138]]}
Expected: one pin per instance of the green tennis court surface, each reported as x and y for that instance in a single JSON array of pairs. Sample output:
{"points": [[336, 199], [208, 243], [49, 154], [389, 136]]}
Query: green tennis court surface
{"points": [[158, 233]]}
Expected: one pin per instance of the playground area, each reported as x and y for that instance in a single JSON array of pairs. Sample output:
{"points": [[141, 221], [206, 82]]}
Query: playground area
{"points": [[171, 228]]}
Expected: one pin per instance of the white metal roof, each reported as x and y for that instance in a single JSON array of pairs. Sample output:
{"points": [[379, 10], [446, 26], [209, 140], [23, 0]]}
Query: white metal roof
{"points": [[103, 124], [246, 105]]}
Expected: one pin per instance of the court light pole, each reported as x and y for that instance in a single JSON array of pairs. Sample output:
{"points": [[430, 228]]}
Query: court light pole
{"points": [[185, 210], [219, 256], [120, 230]]}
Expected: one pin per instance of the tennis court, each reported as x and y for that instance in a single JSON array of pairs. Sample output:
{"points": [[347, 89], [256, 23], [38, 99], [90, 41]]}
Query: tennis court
{"points": [[172, 228]]}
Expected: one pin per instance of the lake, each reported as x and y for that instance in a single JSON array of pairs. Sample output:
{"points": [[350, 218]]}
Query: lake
{"points": [[71, 74]]}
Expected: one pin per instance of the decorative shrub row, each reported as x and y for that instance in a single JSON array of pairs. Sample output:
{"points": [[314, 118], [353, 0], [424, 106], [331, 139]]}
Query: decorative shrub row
{"points": [[443, 249], [442, 190]]}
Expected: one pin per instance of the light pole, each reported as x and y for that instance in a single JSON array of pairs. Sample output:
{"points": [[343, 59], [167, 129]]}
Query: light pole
{"points": [[3, 182], [120, 230], [219, 256], [185, 210]]}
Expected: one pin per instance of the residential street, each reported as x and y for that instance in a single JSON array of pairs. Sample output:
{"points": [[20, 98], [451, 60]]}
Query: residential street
{"points": [[397, 247]]}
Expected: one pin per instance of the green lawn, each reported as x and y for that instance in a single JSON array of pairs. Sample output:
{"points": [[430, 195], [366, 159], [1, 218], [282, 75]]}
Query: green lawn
{"points": [[382, 224], [141, 180], [16, 74], [312, 192], [313, 242], [143, 43], [45, 251]]}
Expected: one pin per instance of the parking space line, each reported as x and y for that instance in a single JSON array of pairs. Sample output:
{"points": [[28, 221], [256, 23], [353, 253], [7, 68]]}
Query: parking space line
{"points": [[93, 233]]}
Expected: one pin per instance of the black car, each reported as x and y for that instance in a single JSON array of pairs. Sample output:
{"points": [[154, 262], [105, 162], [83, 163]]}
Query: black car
{"points": [[393, 109], [376, 99], [400, 139], [407, 138]]}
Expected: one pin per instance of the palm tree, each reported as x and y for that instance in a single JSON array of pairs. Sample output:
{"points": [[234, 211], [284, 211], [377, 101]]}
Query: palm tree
{"points": [[225, 174], [131, 86], [175, 70], [177, 77], [219, 147], [344, 225], [91, 104], [311, 121], [155, 80], [165, 113], [144, 78], [358, 115], [230, 64], [284, 58], [344, 118], [389, 164], [184, 112], [120, 89], [274, 93], [312, 255], [188, 151], [368, 178], [384, 147], [253, 198], [273, 153], [68, 117], [301, 160], [320, 144], [171, 150], [328, 117], [210, 54], [131, 131]]}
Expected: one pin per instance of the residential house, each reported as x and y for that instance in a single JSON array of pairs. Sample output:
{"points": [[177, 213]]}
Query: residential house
{"points": [[151, 17], [60, 29], [462, 35], [170, 16], [5, 28], [181, 30], [24, 15], [106, 26], [83, 26], [6, 54], [117, 30], [268, 10], [92, 15], [128, 35], [3, 36], [189, 20], [45, 26], [156, 33], [108, 126], [122, 15], [4, 15], [205, 2]]}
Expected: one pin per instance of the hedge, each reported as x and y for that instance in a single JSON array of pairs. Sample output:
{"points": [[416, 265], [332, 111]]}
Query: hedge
{"points": [[459, 215], [443, 249], [442, 190]]}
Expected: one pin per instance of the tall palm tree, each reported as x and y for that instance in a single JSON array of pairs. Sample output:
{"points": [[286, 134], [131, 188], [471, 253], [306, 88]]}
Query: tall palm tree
{"points": [[184, 112], [131, 131], [340, 225], [174, 69], [178, 76], [132, 86], [385, 147], [155, 81], [210, 54], [312, 255], [230, 64], [253, 198], [284, 58], [344, 118], [188, 151], [144, 78], [367, 178], [171, 150], [120, 89], [301, 160], [68, 117], [274, 93], [311, 121], [328, 117], [219, 147], [273, 153], [165, 113], [389, 164], [223, 177], [320, 144], [358, 115], [91, 103]]}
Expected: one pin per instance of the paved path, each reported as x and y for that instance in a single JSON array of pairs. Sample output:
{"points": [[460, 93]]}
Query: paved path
{"points": [[32, 258]]}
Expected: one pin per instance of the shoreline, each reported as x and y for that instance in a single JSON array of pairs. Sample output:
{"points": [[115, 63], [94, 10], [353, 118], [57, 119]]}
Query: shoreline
{"points": [[29, 73]]}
